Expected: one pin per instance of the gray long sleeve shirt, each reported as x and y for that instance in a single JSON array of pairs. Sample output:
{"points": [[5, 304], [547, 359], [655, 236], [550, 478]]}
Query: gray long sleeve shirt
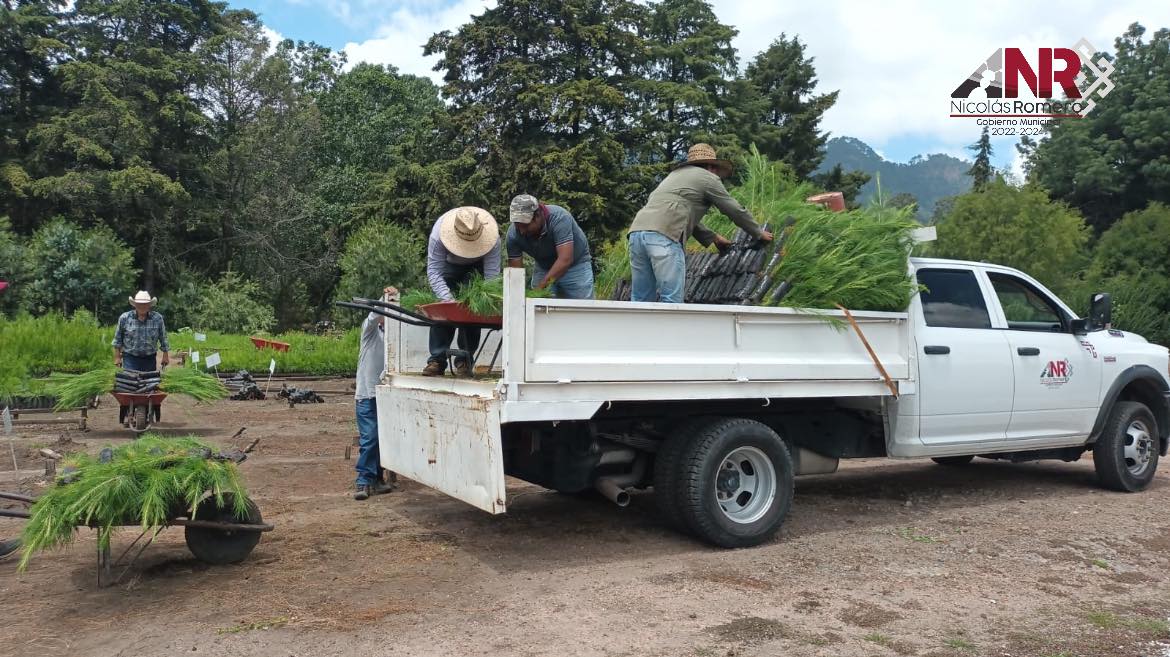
{"points": [[438, 256], [677, 205]]}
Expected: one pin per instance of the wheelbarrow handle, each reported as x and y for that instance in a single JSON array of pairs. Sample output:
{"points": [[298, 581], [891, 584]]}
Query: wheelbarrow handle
{"points": [[404, 316], [17, 497], [375, 303]]}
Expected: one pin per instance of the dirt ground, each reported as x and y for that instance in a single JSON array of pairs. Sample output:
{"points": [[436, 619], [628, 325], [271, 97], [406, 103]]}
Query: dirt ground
{"points": [[883, 558]]}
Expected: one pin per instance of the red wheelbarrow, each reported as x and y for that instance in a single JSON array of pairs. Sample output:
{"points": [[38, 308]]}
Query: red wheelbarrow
{"points": [[138, 411]]}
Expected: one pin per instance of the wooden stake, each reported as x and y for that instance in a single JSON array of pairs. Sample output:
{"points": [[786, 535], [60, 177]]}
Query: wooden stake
{"points": [[885, 375]]}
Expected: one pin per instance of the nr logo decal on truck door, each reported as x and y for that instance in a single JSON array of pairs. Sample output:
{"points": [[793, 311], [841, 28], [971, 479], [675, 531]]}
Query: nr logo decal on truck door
{"points": [[1056, 373]]}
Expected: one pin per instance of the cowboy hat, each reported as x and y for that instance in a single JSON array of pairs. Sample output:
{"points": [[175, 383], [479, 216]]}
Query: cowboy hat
{"points": [[468, 232], [143, 297], [705, 154]]}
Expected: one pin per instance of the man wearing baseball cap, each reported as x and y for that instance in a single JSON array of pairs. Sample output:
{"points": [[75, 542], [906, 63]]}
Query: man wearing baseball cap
{"points": [[550, 234], [463, 242]]}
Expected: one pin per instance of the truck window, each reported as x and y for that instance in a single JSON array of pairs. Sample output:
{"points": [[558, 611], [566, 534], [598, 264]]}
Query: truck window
{"points": [[1024, 307], [952, 299]]}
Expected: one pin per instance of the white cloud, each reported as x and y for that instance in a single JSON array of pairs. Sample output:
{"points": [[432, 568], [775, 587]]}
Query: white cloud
{"points": [[274, 38], [896, 63], [400, 39]]}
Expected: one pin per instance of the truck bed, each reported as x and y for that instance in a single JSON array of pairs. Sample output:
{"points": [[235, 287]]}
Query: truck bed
{"points": [[562, 359]]}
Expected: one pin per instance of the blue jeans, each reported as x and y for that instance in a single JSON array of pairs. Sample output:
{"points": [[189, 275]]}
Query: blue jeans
{"points": [[659, 268], [575, 283], [139, 363], [369, 468]]}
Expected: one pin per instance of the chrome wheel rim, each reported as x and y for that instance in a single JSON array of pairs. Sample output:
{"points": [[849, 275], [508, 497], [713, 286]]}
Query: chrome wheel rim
{"points": [[745, 485], [1139, 448]]}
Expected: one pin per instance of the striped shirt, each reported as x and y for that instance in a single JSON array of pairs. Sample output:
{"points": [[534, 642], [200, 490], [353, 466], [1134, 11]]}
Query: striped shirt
{"points": [[138, 337]]}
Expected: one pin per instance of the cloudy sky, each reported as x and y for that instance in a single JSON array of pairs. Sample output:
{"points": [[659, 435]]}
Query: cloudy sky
{"points": [[895, 63]]}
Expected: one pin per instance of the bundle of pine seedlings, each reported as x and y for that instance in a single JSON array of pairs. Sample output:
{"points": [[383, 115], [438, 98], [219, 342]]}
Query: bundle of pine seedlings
{"points": [[417, 297], [193, 383], [146, 482], [485, 297], [76, 391], [857, 259]]}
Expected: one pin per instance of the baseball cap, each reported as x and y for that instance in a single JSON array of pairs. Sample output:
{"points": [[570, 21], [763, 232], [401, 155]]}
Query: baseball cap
{"points": [[522, 209]]}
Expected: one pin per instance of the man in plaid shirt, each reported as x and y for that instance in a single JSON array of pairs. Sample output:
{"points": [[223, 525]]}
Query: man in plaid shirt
{"points": [[138, 333]]}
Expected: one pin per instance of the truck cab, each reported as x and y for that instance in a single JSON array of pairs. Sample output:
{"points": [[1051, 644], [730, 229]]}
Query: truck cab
{"points": [[1004, 365]]}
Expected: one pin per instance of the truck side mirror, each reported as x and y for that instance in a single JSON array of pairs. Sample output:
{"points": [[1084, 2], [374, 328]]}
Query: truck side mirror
{"points": [[1100, 311]]}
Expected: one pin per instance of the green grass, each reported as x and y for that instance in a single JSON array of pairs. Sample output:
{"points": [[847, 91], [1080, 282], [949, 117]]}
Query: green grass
{"points": [[959, 643], [912, 534], [34, 348], [142, 482], [1108, 620], [1105, 620], [1101, 563], [878, 638]]}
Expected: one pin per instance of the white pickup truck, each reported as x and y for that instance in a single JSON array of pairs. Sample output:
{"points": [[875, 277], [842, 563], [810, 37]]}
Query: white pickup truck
{"points": [[718, 408]]}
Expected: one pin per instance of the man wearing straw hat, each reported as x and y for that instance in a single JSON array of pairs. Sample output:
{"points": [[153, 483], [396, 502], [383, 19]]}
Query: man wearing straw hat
{"points": [[141, 333], [671, 215], [463, 242]]}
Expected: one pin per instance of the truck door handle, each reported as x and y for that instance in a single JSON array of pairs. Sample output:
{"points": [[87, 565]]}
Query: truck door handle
{"points": [[1028, 351], [936, 349]]}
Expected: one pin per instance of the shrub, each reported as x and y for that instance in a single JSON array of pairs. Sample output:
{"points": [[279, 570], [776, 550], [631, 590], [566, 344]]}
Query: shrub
{"points": [[233, 304], [69, 267], [379, 254]]}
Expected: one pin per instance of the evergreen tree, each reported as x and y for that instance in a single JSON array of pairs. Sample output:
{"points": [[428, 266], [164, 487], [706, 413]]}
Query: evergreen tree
{"points": [[1116, 159], [132, 148], [838, 180], [684, 81], [981, 170], [538, 100], [784, 112]]}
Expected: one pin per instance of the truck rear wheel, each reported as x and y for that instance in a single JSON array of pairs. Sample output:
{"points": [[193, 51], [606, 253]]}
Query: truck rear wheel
{"points": [[1126, 453], [732, 482]]}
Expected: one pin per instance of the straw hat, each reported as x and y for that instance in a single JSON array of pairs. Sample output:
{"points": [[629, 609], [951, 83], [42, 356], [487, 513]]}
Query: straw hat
{"points": [[143, 297], [468, 232], [705, 154]]}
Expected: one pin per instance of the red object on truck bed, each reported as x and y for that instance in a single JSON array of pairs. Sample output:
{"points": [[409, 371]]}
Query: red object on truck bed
{"points": [[264, 343], [457, 313]]}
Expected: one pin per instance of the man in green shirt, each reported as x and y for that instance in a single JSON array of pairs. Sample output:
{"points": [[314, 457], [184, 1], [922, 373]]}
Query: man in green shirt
{"points": [[671, 215]]}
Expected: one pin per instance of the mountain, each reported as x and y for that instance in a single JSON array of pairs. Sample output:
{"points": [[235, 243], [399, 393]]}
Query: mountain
{"points": [[929, 178]]}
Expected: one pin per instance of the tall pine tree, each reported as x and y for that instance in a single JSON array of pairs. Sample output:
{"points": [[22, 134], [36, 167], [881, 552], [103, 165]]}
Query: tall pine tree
{"points": [[538, 100], [685, 78], [783, 112], [981, 170]]}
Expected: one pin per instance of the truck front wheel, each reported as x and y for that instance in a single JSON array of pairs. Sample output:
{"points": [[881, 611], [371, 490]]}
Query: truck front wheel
{"points": [[1126, 453], [732, 482]]}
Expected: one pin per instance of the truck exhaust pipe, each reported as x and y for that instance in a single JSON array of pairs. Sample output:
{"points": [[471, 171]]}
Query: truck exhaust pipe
{"points": [[616, 488], [609, 487]]}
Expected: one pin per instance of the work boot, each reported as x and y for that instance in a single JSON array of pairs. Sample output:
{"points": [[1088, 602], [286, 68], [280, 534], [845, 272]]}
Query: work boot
{"points": [[364, 491], [8, 547], [434, 368], [462, 368]]}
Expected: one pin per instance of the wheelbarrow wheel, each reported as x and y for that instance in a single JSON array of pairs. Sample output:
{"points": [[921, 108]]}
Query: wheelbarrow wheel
{"points": [[140, 419], [223, 546]]}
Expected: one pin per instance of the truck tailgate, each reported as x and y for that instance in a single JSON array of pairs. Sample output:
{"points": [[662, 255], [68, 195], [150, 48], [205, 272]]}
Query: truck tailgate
{"points": [[444, 433]]}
